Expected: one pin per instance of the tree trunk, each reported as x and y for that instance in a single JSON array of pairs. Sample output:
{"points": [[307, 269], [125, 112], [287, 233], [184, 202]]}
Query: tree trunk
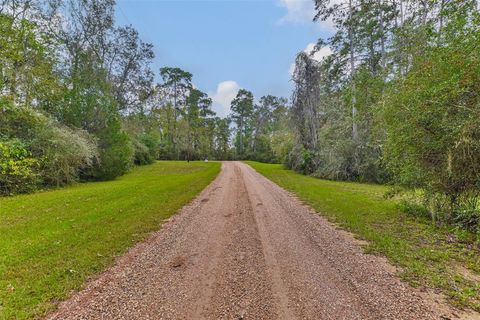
{"points": [[352, 68], [382, 36]]}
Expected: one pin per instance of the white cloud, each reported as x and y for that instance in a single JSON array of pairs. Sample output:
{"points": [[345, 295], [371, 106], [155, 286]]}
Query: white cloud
{"points": [[303, 11], [298, 11], [223, 96], [316, 55]]}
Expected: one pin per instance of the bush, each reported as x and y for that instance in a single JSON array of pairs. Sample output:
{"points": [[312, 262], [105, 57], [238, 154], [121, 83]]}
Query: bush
{"points": [[282, 143], [60, 153], [263, 151], [146, 148], [467, 213], [141, 153], [18, 170], [64, 153], [413, 208], [19, 122], [115, 154]]}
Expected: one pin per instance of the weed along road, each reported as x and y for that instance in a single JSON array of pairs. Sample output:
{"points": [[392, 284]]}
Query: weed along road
{"points": [[247, 249]]}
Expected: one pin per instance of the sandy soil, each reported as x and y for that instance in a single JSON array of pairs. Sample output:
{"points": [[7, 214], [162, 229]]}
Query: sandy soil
{"points": [[247, 249]]}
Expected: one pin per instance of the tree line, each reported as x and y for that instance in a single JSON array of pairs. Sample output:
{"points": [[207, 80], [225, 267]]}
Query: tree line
{"points": [[79, 102], [396, 102], [261, 128]]}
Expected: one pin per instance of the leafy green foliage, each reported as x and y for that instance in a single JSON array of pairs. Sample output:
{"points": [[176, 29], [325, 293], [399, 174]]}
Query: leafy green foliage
{"points": [[78, 93], [26, 64], [432, 118], [115, 157], [242, 109], [260, 127], [187, 127], [64, 153], [396, 101], [58, 152], [18, 170], [146, 148]]}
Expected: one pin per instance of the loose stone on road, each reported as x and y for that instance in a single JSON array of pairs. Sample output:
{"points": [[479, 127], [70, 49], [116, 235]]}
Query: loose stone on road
{"points": [[247, 249]]}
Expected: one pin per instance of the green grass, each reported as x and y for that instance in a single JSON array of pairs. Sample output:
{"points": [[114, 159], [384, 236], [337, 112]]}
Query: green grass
{"points": [[51, 242], [442, 258]]}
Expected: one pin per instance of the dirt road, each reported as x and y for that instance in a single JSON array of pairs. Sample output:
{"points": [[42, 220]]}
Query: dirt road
{"points": [[247, 249]]}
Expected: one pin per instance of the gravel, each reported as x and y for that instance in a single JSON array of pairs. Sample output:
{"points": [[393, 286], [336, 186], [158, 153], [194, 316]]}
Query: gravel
{"points": [[247, 249]]}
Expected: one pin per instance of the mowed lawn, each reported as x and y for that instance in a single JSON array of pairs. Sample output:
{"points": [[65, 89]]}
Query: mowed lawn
{"points": [[52, 241], [446, 259]]}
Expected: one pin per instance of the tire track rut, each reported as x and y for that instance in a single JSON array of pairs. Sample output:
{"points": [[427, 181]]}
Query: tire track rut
{"points": [[247, 249]]}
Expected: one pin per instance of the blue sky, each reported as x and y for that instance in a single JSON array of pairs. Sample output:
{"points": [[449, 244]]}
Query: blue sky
{"points": [[227, 44]]}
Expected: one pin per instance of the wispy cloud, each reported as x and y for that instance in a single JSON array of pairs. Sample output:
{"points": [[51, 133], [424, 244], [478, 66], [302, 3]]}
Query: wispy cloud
{"points": [[303, 12], [298, 11]]}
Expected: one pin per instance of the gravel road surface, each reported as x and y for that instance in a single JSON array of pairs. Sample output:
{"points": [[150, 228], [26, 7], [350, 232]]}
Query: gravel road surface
{"points": [[247, 249]]}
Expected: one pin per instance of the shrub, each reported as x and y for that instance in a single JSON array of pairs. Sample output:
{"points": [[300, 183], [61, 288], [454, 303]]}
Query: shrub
{"points": [[282, 142], [467, 213], [18, 170], [146, 148], [413, 208], [19, 122], [141, 153], [60, 153], [115, 154], [64, 153]]}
